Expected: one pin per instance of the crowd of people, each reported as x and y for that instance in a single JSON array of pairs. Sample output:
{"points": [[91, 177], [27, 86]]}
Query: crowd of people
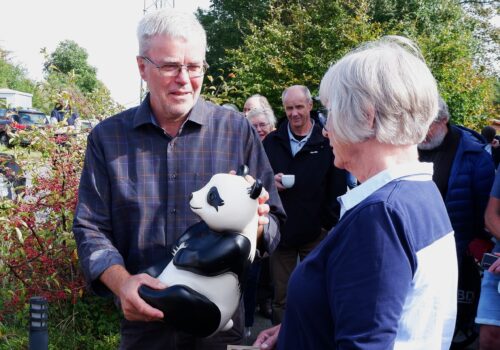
{"points": [[361, 246]]}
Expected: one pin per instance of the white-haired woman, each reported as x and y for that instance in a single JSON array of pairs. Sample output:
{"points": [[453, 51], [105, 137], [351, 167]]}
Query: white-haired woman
{"points": [[263, 120], [386, 276], [256, 101]]}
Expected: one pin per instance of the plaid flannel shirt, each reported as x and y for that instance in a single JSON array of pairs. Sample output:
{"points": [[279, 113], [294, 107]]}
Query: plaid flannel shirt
{"points": [[136, 181]]}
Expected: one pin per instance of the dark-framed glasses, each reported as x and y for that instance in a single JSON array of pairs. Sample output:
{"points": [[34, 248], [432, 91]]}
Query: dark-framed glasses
{"points": [[173, 69]]}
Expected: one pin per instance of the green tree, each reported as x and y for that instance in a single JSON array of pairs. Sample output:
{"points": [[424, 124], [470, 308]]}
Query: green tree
{"points": [[70, 57], [457, 44], [13, 76], [298, 40], [227, 22], [296, 44]]}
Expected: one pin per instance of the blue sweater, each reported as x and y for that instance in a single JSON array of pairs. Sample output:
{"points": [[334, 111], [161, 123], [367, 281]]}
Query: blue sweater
{"points": [[384, 278]]}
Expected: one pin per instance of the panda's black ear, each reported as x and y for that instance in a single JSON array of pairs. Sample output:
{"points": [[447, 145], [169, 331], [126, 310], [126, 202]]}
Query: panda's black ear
{"points": [[242, 170], [256, 189]]}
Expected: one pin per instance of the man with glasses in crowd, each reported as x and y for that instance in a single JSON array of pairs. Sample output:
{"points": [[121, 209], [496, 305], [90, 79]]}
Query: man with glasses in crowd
{"points": [[140, 168]]}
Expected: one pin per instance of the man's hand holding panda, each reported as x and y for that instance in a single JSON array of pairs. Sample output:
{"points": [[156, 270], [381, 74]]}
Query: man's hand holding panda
{"points": [[125, 286], [263, 208]]}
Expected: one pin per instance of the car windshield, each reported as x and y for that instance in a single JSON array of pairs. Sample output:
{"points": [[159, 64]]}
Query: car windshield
{"points": [[32, 118]]}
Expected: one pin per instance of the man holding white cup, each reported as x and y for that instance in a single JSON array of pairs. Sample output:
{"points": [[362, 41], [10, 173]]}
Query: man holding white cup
{"points": [[308, 185]]}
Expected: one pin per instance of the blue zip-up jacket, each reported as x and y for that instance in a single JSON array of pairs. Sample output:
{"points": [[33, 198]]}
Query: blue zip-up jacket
{"points": [[469, 185]]}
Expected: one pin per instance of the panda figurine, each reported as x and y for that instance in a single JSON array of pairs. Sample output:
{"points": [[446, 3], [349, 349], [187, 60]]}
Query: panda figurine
{"points": [[208, 263]]}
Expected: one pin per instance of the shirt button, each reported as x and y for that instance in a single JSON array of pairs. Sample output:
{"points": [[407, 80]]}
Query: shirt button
{"points": [[173, 176], [173, 211]]}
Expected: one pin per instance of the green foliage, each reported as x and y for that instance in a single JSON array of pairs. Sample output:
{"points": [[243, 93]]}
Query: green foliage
{"points": [[63, 88], [38, 252], [68, 58], [13, 76], [296, 42], [37, 249], [91, 323], [447, 36], [226, 23]]}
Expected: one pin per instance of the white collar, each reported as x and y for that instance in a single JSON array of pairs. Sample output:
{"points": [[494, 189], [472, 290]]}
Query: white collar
{"points": [[411, 171]]}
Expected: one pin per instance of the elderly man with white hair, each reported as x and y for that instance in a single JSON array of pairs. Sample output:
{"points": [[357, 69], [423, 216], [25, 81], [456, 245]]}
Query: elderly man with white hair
{"points": [[386, 276], [140, 168]]}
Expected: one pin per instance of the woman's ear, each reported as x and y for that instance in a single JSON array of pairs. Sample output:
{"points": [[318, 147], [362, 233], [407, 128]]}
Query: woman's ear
{"points": [[370, 117]]}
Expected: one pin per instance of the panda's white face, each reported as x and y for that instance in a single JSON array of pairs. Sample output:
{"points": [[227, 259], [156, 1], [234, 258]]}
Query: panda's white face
{"points": [[224, 203]]}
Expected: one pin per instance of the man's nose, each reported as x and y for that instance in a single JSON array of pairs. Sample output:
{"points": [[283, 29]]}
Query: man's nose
{"points": [[183, 74]]}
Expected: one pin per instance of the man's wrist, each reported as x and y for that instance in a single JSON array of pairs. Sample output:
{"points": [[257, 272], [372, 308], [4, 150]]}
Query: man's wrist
{"points": [[114, 277]]}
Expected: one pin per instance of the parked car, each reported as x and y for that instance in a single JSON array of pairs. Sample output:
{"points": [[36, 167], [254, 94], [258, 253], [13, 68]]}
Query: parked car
{"points": [[27, 118], [22, 119]]}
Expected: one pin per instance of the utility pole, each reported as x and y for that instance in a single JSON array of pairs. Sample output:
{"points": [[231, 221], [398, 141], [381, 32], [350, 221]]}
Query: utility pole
{"points": [[155, 4]]}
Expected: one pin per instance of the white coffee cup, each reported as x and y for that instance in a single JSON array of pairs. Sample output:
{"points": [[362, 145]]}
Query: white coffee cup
{"points": [[288, 180]]}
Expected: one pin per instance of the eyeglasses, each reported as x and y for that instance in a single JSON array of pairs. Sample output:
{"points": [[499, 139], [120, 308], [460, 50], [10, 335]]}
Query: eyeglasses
{"points": [[173, 69], [260, 125]]}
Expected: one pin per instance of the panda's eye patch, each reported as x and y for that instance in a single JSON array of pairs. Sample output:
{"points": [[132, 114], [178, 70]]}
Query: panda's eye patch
{"points": [[213, 198]]}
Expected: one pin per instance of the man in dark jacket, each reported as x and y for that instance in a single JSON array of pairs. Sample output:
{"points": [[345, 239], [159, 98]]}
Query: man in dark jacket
{"points": [[463, 172], [492, 143], [298, 148]]}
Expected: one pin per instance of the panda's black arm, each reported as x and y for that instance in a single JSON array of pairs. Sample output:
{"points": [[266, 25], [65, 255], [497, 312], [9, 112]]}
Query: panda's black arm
{"points": [[227, 253]]}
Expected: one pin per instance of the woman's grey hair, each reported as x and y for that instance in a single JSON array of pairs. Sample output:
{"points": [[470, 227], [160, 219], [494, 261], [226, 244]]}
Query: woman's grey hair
{"points": [[263, 102], [304, 89], [382, 90], [266, 112], [169, 22]]}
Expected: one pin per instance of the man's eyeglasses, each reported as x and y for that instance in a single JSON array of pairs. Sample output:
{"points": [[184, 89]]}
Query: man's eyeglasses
{"points": [[173, 69], [260, 125]]}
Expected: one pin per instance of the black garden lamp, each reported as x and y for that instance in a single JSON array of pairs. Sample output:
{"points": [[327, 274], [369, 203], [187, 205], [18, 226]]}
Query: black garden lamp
{"points": [[39, 335]]}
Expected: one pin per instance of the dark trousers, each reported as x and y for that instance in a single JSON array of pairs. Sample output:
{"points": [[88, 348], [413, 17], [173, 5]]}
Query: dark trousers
{"points": [[157, 336], [265, 288], [283, 262], [250, 293]]}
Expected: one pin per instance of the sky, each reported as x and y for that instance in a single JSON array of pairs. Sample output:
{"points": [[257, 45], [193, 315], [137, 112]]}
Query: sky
{"points": [[105, 28]]}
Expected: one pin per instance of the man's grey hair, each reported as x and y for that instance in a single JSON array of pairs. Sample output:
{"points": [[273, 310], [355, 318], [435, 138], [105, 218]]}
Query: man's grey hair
{"points": [[443, 113], [169, 22], [382, 90], [266, 112], [304, 89]]}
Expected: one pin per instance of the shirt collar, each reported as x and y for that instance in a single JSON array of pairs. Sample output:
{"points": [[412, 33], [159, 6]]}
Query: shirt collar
{"points": [[304, 140], [145, 115], [296, 145], [411, 171]]}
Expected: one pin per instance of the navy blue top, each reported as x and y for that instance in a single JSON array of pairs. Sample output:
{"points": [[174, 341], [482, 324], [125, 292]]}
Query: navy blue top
{"points": [[355, 290]]}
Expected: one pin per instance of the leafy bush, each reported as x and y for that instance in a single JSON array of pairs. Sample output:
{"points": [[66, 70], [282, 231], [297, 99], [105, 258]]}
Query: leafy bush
{"points": [[91, 323], [38, 254]]}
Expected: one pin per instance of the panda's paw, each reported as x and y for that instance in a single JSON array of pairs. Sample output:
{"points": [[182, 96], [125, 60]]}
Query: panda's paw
{"points": [[228, 325]]}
